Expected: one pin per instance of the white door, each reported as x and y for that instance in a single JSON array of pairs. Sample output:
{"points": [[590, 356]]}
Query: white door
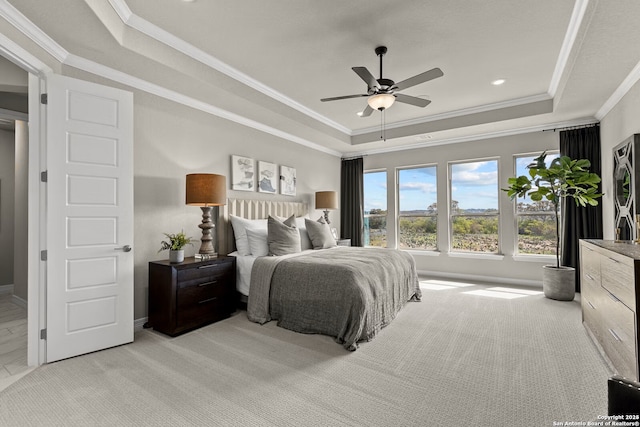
{"points": [[89, 217]]}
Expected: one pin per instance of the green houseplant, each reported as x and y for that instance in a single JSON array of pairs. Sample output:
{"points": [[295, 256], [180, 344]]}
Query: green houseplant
{"points": [[175, 243], [564, 177]]}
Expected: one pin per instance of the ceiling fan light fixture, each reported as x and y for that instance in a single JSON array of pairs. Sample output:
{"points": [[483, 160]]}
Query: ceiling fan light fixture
{"points": [[381, 101]]}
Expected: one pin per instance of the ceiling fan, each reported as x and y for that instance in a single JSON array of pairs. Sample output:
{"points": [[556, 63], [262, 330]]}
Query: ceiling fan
{"points": [[382, 92]]}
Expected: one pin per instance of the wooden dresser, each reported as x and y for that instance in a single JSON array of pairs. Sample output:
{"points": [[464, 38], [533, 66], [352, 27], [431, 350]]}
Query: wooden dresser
{"points": [[190, 294], [610, 287]]}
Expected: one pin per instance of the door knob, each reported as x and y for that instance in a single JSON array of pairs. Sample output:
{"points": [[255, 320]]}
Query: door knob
{"points": [[125, 248]]}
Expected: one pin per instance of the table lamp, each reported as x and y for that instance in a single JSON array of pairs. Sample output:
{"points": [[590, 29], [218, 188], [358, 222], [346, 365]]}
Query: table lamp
{"points": [[327, 200], [206, 190]]}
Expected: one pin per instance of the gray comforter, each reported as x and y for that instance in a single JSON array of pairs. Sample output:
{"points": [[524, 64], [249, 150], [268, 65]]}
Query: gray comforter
{"points": [[345, 292]]}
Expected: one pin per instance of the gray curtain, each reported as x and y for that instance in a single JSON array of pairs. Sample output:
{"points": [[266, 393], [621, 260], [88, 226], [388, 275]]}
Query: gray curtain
{"points": [[578, 222], [352, 201]]}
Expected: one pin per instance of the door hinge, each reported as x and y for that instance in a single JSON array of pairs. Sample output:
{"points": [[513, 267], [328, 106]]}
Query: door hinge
{"points": [[43, 334], [44, 176], [43, 255], [44, 98]]}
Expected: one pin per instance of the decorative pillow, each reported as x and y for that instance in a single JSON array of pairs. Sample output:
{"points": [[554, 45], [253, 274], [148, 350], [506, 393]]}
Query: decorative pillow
{"points": [[305, 241], [240, 226], [283, 237], [258, 241], [320, 234]]}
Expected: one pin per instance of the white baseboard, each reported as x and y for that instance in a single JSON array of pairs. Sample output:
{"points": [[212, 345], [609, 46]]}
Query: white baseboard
{"points": [[6, 289], [19, 301], [486, 279], [138, 323]]}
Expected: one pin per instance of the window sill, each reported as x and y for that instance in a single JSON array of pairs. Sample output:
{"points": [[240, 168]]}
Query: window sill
{"points": [[534, 258], [417, 252], [471, 255]]}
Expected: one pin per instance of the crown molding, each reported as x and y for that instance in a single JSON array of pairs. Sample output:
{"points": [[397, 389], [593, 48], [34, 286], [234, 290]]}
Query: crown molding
{"points": [[570, 36], [143, 26], [478, 137], [620, 92], [16, 54], [33, 32], [154, 89], [458, 113]]}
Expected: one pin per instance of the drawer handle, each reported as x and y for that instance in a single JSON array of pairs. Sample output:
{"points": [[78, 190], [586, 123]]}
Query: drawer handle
{"points": [[614, 260], [208, 283], [611, 331], [214, 298], [209, 266], [591, 305], [613, 297], [589, 277]]}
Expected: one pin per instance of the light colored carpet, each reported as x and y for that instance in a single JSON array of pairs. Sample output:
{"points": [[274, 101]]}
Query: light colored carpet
{"points": [[456, 358]]}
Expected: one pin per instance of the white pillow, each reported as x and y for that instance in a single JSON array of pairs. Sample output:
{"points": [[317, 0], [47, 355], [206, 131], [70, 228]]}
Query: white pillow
{"points": [[240, 226], [258, 241]]}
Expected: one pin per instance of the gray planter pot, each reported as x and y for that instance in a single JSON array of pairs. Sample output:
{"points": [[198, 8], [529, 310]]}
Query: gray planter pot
{"points": [[176, 256], [559, 283]]}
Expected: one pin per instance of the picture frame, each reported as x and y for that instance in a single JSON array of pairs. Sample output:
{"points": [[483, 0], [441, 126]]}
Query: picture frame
{"points": [[267, 177], [287, 181], [242, 173]]}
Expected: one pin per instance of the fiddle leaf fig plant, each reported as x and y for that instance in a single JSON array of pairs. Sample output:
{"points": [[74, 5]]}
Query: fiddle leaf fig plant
{"points": [[564, 177], [175, 242]]}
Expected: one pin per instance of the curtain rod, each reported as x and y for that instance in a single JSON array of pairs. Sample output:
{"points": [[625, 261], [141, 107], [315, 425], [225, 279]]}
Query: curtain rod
{"points": [[353, 157], [572, 127]]}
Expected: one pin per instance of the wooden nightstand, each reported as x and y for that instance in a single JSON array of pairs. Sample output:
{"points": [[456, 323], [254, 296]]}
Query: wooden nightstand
{"points": [[191, 294], [344, 242]]}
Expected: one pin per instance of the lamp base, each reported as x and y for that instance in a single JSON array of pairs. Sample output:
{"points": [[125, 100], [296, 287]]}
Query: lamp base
{"points": [[206, 245], [326, 216]]}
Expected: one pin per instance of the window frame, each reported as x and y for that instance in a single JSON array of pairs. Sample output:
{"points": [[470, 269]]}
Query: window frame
{"points": [[517, 216], [451, 215], [385, 216], [399, 215]]}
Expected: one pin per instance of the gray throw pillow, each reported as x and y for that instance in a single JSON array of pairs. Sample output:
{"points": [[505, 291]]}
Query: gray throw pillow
{"points": [[320, 234], [283, 237]]}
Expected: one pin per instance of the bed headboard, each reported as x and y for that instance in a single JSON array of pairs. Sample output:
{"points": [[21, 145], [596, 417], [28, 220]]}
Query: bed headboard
{"points": [[251, 209]]}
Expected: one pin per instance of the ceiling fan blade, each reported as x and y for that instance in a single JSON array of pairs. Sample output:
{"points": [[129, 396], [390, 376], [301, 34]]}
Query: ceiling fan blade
{"points": [[418, 102], [367, 111], [366, 76], [337, 98], [420, 78]]}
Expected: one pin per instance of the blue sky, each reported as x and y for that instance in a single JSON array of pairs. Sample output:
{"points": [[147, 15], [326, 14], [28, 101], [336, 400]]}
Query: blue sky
{"points": [[474, 187]]}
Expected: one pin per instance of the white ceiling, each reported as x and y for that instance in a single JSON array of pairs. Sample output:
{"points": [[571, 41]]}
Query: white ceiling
{"points": [[562, 60]]}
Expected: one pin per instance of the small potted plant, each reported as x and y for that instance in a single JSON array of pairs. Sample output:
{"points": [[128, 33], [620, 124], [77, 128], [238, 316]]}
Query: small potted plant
{"points": [[563, 178], [175, 243]]}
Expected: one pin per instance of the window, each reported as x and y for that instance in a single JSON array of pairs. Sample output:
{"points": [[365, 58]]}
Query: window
{"points": [[375, 209], [417, 197], [536, 222], [474, 206]]}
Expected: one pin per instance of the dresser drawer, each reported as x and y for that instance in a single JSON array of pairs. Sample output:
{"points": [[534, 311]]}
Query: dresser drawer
{"points": [[617, 335], [590, 264], [618, 278]]}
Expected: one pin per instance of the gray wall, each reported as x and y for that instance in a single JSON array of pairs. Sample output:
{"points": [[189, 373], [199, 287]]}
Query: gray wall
{"points": [[7, 142], [619, 124], [21, 210], [526, 270]]}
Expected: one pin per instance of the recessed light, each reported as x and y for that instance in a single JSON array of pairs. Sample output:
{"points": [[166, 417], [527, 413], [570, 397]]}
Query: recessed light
{"points": [[498, 82], [360, 113]]}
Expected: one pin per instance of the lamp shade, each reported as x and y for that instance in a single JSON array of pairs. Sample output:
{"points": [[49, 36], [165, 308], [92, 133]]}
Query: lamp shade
{"points": [[381, 101], [206, 189], [326, 200]]}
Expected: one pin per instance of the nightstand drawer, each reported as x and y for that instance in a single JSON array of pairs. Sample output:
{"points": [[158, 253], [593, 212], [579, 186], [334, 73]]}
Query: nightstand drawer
{"points": [[194, 295], [204, 273], [203, 312]]}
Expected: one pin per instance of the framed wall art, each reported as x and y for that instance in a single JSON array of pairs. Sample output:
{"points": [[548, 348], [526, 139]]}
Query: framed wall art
{"points": [[287, 181], [267, 177], [242, 173]]}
